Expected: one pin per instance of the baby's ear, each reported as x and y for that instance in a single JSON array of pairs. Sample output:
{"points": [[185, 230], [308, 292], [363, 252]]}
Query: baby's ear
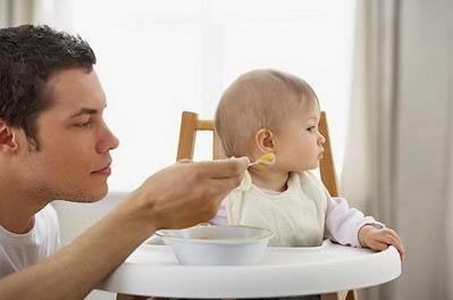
{"points": [[264, 139]]}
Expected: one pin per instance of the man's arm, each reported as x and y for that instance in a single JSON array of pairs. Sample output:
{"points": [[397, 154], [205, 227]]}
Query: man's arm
{"points": [[74, 270], [176, 197]]}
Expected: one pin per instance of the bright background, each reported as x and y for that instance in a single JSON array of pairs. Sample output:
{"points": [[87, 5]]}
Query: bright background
{"points": [[158, 58]]}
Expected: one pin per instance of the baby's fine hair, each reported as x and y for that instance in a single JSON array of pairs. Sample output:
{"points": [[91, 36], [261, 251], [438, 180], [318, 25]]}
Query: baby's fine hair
{"points": [[258, 99]]}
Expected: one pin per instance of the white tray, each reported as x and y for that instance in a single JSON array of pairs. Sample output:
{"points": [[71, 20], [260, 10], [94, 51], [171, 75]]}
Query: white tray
{"points": [[153, 270]]}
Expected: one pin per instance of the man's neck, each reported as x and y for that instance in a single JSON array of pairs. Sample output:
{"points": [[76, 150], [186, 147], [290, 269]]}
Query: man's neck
{"points": [[17, 209]]}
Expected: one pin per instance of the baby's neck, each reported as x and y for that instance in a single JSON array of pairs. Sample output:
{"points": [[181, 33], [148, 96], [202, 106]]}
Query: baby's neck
{"points": [[271, 180]]}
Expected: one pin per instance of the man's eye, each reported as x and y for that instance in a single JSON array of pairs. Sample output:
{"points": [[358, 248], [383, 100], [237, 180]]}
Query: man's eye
{"points": [[84, 124]]}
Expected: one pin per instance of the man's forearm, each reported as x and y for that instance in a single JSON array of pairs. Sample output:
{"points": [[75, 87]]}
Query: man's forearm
{"points": [[74, 270], [179, 196]]}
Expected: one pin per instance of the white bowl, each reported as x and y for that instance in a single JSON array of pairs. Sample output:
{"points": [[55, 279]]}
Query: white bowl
{"points": [[217, 245]]}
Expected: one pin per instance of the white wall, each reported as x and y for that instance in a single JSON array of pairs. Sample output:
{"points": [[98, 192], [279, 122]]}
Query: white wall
{"points": [[158, 58]]}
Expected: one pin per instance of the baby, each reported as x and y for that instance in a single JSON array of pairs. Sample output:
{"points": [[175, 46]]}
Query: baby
{"points": [[268, 111]]}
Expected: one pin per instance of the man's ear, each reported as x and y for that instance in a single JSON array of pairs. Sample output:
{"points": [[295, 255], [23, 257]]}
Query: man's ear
{"points": [[8, 137], [264, 139]]}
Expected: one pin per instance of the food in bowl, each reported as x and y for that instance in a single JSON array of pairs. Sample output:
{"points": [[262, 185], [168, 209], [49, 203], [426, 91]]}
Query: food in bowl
{"points": [[217, 244]]}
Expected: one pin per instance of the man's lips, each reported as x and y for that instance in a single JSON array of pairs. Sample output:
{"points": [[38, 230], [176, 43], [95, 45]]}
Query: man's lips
{"points": [[106, 171]]}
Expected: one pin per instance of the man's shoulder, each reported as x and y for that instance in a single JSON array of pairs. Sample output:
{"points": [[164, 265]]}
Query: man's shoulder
{"points": [[48, 215], [47, 225], [48, 212], [18, 251]]}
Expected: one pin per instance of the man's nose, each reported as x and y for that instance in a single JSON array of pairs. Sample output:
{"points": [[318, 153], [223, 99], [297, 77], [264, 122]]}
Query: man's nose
{"points": [[108, 141]]}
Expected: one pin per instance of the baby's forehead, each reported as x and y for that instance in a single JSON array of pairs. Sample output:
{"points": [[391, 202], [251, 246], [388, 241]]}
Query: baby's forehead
{"points": [[303, 105], [305, 112]]}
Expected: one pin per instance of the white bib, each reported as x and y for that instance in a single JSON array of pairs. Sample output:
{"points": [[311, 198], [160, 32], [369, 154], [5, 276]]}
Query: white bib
{"points": [[296, 216]]}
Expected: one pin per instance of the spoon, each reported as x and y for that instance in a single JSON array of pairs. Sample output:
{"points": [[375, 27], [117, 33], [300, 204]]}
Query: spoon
{"points": [[267, 159]]}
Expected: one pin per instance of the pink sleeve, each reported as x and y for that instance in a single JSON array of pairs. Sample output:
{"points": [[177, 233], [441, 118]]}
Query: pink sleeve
{"points": [[343, 223]]}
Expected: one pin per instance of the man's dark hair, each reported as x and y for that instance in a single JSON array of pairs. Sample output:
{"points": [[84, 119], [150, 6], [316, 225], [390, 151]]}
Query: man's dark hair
{"points": [[29, 55]]}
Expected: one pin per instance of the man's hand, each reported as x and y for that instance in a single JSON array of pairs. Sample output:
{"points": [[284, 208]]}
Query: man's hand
{"points": [[186, 194], [179, 196], [380, 239]]}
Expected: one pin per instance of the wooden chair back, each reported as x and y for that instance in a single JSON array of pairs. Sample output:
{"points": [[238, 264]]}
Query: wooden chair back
{"points": [[190, 124]]}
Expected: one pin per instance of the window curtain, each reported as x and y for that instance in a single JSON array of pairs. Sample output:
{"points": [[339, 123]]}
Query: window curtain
{"points": [[18, 12], [14, 13], [399, 155]]}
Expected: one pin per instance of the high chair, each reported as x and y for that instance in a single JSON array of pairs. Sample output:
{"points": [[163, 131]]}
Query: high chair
{"points": [[190, 124]]}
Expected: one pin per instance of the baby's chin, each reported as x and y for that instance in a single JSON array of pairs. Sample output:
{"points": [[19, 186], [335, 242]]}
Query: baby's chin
{"points": [[305, 169], [300, 168], [312, 167]]}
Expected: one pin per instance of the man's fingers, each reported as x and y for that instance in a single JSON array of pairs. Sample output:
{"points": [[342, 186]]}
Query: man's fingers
{"points": [[224, 168], [224, 186]]}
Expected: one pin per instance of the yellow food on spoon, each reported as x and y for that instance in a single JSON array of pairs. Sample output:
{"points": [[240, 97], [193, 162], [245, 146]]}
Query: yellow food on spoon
{"points": [[266, 158]]}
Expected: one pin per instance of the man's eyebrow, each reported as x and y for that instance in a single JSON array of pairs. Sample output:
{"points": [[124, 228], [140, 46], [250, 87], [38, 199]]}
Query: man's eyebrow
{"points": [[86, 111]]}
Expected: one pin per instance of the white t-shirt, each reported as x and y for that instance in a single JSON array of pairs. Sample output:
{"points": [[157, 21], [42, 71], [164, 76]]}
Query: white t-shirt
{"points": [[18, 251]]}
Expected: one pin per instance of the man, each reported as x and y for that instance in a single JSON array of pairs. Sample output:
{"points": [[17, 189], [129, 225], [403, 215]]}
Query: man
{"points": [[54, 144]]}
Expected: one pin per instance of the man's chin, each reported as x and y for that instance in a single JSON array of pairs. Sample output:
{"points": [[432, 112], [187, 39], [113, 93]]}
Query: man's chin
{"points": [[98, 196], [88, 197]]}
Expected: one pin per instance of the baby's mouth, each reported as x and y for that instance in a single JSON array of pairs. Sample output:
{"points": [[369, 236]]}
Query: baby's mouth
{"points": [[321, 154]]}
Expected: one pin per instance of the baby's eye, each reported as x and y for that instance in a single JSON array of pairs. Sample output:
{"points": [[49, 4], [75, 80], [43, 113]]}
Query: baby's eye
{"points": [[311, 128]]}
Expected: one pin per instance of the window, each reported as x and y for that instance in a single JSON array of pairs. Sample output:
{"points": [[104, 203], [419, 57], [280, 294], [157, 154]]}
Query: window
{"points": [[158, 58]]}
